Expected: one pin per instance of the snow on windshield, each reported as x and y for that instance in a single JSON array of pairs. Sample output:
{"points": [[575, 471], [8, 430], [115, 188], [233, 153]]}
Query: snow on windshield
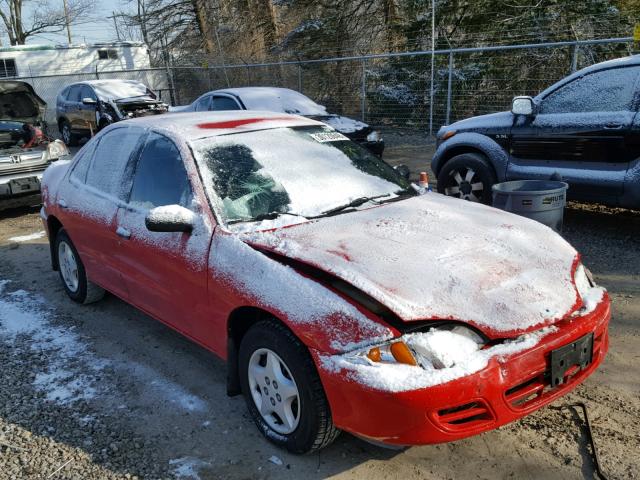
{"points": [[304, 171], [117, 89], [280, 100]]}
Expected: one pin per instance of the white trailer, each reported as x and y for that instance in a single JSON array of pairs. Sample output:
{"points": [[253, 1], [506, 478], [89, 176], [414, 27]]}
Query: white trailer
{"points": [[50, 68]]}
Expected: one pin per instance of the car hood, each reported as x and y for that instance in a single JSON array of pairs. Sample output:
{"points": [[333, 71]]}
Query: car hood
{"points": [[20, 103], [492, 122], [347, 126], [434, 257]]}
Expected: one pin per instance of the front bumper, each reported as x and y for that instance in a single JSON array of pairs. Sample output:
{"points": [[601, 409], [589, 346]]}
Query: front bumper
{"points": [[507, 389], [20, 184]]}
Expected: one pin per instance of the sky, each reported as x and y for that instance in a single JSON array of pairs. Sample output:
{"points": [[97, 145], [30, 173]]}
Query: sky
{"points": [[99, 29]]}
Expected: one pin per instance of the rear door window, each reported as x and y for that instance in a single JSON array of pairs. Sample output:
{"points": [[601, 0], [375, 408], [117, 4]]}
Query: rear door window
{"points": [[609, 90], [110, 160], [160, 177], [202, 105], [224, 103]]}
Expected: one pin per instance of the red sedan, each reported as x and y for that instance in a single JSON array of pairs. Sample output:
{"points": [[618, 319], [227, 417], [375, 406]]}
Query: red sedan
{"points": [[342, 296]]}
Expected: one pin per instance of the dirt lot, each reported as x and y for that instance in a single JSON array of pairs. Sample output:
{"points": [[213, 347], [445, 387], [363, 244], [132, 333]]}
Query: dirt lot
{"points": [[104, 391]]}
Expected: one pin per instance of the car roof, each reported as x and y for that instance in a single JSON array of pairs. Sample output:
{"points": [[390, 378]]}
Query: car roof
{"points": [[107, 81], [195, 125], [274, 99], [631, 60]]}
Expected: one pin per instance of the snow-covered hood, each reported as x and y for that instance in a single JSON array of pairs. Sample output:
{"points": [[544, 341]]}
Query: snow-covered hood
{"points": [[344, 125], [434, 257], [20, 103], [492, 122]]}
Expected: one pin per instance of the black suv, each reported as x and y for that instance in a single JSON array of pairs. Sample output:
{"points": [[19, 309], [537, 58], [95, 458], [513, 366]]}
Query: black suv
{"points": [[584, 129], [86, 107]]}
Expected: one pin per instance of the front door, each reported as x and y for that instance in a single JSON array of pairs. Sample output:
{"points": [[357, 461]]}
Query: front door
{"points": [[166, 272], [582, 131]]}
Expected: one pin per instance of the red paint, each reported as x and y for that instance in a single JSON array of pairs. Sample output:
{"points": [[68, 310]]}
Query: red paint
{"points": [[415, 418], [239, 123], [198, 302]]}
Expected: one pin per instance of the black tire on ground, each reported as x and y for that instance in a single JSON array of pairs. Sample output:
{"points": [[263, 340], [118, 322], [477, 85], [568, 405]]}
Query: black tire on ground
{"points": [[315, 428], [69, 138], [86, 291], [468, 176]]}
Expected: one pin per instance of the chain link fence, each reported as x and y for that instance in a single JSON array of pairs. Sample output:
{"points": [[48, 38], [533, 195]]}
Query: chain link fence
{"points": [[392, 92]]}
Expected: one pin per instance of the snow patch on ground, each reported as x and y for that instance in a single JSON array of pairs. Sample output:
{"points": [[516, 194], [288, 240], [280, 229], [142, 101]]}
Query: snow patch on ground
{"points": [[28, 238], [463, 357], [188, 467], [24, 314]]}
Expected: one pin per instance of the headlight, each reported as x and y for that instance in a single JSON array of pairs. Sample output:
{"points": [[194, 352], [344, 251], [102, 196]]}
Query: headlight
{"points": [[584, 281], [55, 150], [441, 347], [374, 136]]}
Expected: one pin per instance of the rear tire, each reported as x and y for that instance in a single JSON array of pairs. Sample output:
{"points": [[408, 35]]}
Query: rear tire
{"points": [[69, 138], [268, 352], [468, 176], [72, 273]]}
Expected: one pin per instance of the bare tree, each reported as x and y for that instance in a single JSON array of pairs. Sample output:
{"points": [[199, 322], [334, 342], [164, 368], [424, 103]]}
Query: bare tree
{"points": [[45, 17]]}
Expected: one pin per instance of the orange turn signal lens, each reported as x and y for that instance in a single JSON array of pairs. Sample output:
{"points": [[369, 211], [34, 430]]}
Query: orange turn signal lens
{"points": [[402, 354], [374, 354], [448, 134]]}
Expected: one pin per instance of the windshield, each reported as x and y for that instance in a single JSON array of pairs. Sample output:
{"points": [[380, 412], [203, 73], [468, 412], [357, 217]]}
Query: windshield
{"points": [[304, 171]]}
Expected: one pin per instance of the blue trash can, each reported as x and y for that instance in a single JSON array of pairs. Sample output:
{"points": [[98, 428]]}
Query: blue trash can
{"points": [[541, 200]]}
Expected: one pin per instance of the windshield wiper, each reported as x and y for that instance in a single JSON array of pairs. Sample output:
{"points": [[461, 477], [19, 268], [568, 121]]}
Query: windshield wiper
{"points": [[356, 202], [263, 216]]}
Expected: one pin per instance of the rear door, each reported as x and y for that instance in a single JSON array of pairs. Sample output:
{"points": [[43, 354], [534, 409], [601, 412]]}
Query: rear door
{"points": [[165, 272], [90, 200], [583, 131]]}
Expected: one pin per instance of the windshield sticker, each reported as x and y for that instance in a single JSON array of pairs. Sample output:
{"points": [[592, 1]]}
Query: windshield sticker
{"points": [[323, 137]]}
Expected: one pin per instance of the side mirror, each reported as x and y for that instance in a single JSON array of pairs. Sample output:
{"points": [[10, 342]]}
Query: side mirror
{"points": [[170, 218], [89, 101], [522, 106], [403, 170]]}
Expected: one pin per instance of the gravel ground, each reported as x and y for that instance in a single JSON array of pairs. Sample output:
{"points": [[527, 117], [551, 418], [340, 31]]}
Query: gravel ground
{"points": [[105, 392]]}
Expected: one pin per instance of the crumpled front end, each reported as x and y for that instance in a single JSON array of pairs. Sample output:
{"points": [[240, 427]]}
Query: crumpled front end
{"points": [[451, 394]]}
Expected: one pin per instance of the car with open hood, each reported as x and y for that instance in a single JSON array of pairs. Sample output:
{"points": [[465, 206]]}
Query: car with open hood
{"points": [[285, 100], [25, 149], [84, 108], [342, 296]]}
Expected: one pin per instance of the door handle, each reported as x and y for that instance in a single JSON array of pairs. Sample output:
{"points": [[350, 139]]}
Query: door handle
{"points": [[62, 203], [123, 232], [613, 126]]}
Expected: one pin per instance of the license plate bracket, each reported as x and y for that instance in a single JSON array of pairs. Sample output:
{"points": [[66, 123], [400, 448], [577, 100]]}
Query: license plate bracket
{"points": [[578, 353]]}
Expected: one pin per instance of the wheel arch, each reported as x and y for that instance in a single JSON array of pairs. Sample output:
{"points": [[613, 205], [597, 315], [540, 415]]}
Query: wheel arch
{"points": [[472, 143], [239, 322]]}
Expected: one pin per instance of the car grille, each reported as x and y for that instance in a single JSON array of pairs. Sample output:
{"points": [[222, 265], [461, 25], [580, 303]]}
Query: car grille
{"points": [[30, 162], [465, 416]]}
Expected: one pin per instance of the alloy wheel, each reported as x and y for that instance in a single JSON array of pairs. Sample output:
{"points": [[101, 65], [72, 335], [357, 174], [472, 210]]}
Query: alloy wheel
{"points": [[66, 133], [274, 391], [68, 266], [464, 184]]}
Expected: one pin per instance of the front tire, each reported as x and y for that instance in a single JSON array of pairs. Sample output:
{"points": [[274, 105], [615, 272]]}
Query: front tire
{"points": [[468, 176], [72, 273], [282, 389]]}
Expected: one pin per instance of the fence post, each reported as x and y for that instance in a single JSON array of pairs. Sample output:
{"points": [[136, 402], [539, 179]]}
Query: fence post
{"points": [[574, 57], [449, 82], [363, 89], [300, 77], [431, 94]]}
